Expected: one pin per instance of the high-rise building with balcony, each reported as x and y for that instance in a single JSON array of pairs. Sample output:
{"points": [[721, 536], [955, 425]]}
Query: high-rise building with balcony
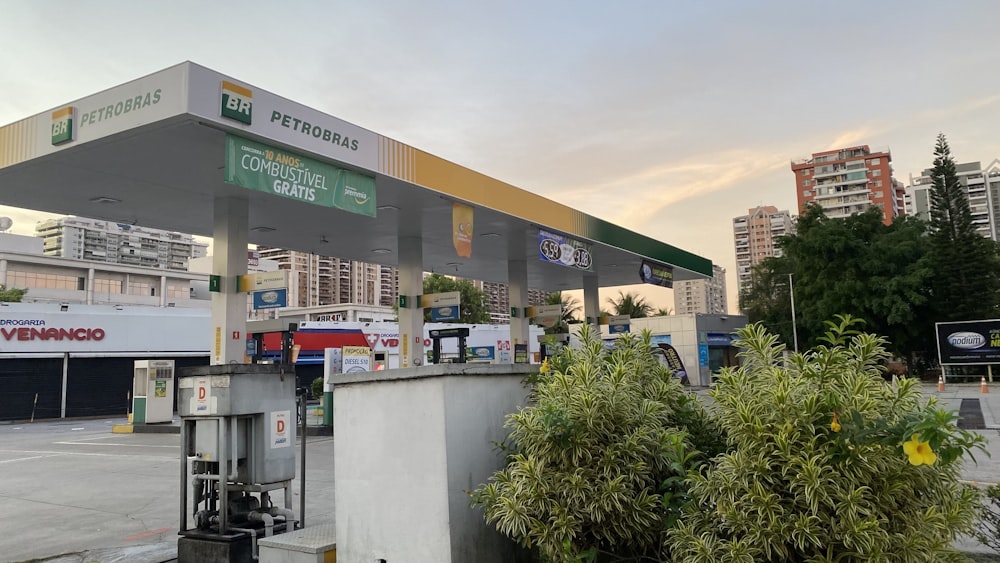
{"points": [[117, 243], [981, 186], [848, 181], [755, 236], [323, 280], [704, 296], [498, 298]]}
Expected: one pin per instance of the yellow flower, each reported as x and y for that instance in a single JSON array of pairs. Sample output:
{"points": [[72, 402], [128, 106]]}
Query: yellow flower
{"points": [[919, 452], [835, 426], [545, 366]]}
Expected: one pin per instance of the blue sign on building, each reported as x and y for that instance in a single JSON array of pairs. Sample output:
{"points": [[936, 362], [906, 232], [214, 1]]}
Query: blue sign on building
{"points": [[449, 313], [270, 298]]}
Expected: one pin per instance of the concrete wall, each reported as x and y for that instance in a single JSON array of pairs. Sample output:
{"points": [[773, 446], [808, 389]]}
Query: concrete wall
{"points": [[411, 444]]}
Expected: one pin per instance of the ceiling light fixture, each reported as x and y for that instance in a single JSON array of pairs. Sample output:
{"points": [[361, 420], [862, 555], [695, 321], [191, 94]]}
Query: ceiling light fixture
{"points": [[262, 229], [453, 264], [381, 251], [387, 207], [490, 235], [323, 240], [104, 199]]}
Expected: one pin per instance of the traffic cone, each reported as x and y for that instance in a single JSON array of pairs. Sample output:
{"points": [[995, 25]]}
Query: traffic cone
{"points": [[983, 387], [940, 384]]}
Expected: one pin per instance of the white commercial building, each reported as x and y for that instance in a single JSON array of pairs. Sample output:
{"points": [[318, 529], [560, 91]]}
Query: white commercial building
{"points": [[702, 296], [981, 186]]}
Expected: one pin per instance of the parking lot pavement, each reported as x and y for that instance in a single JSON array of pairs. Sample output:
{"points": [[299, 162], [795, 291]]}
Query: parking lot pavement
{"points": [[75, 492], [73, 487]]}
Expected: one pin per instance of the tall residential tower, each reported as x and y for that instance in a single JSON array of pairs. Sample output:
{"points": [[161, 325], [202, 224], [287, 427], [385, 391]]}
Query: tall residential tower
{"points": [[847, 181], [755, 235]]}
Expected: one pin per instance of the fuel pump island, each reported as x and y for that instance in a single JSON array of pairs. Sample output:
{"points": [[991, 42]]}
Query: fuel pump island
{"points": [[238, 459]]}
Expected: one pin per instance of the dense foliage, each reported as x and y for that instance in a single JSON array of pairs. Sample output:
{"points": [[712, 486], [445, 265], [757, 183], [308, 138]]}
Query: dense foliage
{"points": [[856, 265], [988, 529], [474, 308], [11, 295], [600, 456], [828, 462]]}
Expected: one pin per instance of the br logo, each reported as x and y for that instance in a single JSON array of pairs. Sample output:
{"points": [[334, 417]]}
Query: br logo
{"points": [[62, 125], [237, 102]]}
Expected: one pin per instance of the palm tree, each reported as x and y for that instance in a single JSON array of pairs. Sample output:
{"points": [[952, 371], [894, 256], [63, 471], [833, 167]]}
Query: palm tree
{"points": [[631, 304], [570, 307], [661, 312]]}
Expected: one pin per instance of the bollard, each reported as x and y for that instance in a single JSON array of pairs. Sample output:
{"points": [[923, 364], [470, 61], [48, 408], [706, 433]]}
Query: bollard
{"points": [[982, 386], [940, 383]]}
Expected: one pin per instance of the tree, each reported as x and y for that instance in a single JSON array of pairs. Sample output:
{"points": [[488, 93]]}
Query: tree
{"points": [[857, 266], [570, 307], [631, 304], [966, 265], [11, 295], [664, 312], [473, 301]]}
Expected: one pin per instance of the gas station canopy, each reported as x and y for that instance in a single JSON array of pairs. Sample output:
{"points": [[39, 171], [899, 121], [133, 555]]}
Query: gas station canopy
{"points": [[158, 151]]}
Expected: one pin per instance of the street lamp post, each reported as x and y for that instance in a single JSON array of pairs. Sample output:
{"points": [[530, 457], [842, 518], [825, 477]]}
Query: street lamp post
{"points": [[795, 332]]}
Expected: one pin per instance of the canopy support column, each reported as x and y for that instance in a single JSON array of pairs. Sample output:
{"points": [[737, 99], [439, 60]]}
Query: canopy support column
{"points": [[229, 260], [517, 292], [411, 317], [591, 301]]}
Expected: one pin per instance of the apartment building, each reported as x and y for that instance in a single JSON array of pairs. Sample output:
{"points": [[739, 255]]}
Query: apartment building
{"points": [[704, 296], [755, 236], [94, 240], [315, 280], [981, 185], [848, 181]]}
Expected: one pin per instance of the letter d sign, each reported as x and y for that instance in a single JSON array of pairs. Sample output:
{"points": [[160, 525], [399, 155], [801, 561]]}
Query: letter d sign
{"points": [[202, 392], [281, 426]]}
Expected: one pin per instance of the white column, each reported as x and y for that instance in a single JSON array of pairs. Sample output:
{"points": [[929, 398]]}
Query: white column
{"points": [[411, 284], [591, 300], [163, 291], [517, 283], [90, 286], [229, 259]]}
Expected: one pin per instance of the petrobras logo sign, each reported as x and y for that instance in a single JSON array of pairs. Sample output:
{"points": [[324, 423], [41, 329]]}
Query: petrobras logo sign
{"points": [[966, 340], [237, 102], [62, 125]]}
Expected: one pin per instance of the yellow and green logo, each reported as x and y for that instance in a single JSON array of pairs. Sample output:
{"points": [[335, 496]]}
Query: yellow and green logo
{"points": [[62, 125], [237, 102]]}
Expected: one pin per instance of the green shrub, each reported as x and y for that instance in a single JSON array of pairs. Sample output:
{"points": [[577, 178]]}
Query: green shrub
{"points": [[599, 458], [819, 471], [316, 388], [988, 529]]}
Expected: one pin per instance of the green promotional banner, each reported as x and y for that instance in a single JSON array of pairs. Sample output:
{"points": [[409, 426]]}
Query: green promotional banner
{"points": [[264, 168]]}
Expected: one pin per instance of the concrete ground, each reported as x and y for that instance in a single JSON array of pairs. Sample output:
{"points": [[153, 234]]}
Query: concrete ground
{"points": [[73, 492]]}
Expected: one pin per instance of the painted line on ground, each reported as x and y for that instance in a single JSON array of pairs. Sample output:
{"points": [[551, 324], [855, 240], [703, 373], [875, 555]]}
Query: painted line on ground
{"points": [[24, 458], [117, 445], [141, 535]]}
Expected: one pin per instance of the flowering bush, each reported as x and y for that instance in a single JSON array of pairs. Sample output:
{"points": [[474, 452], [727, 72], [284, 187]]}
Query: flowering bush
{"points": [[600, 456], [829, 462]]}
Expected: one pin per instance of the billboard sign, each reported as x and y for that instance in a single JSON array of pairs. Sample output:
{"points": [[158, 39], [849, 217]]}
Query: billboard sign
{"points": [[562, 250], [656, 274], [968, 342]]}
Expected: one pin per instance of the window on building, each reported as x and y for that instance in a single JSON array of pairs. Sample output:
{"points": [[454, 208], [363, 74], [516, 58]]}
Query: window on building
{"points": [[47, 281], [876, 172], [806, 193], [103, 286], [141, 288], [875, 162]]}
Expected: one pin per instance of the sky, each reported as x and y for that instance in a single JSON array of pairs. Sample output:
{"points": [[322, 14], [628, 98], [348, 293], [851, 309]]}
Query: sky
{"points": [[667, 117]]}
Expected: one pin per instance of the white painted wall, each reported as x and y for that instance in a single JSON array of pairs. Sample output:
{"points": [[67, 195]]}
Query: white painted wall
{"points": [[411, 443]]}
